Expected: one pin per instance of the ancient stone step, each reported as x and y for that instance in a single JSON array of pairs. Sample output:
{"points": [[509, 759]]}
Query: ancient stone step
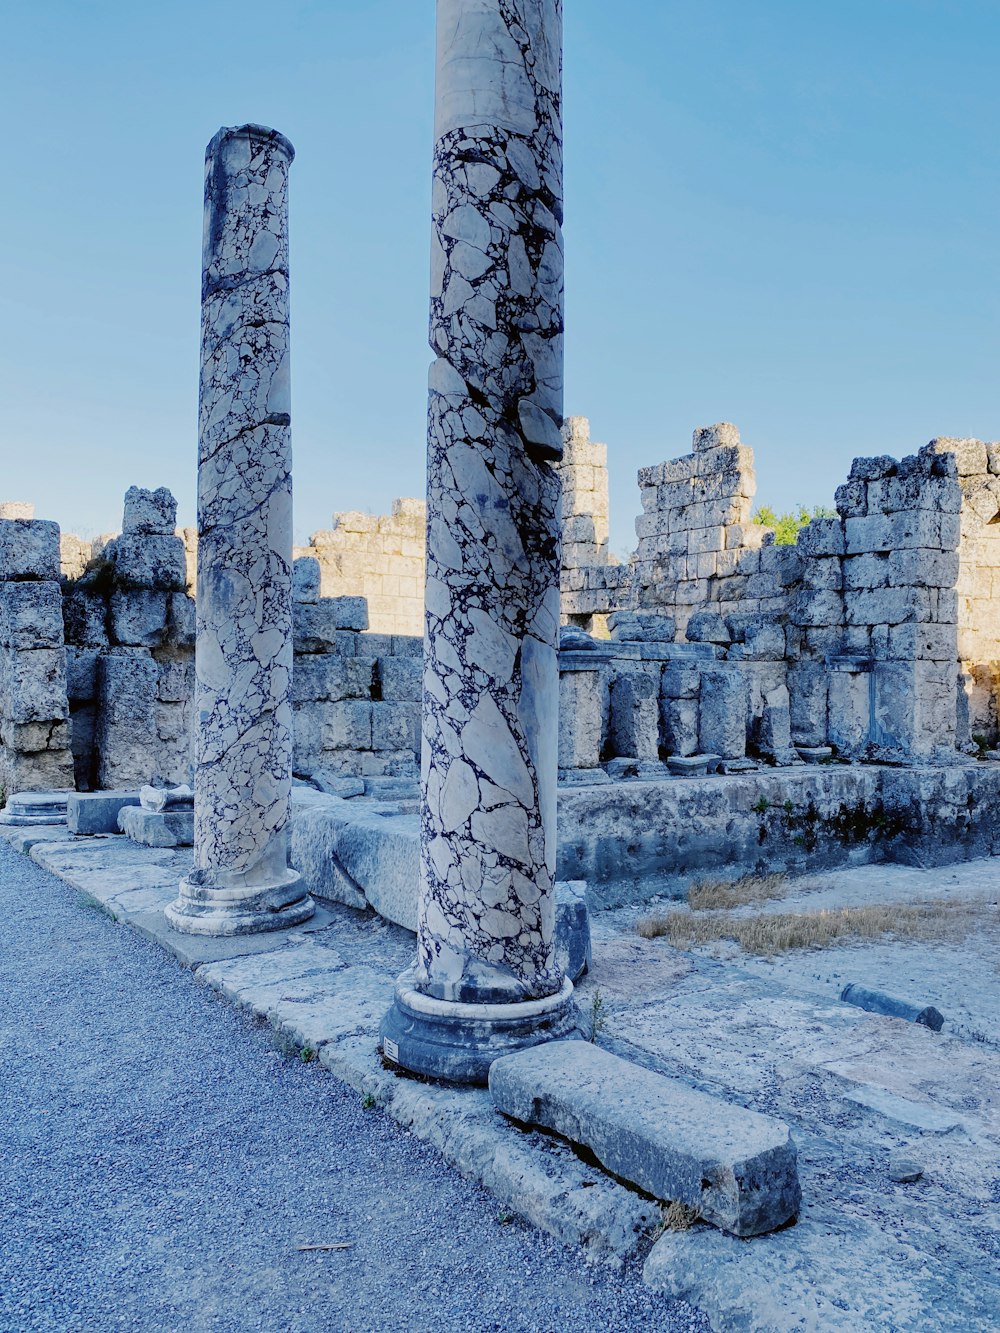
{"points": [[736, 1168]]}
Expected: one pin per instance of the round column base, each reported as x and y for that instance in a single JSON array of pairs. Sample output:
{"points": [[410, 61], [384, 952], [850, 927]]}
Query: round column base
{"points": [[458, 1042], [239, 909]]}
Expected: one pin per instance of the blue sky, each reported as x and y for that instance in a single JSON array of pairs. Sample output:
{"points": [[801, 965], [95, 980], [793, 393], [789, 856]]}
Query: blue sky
{"points": [[779, 214]]}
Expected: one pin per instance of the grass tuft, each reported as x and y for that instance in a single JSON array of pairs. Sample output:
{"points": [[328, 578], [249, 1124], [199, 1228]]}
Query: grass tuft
{"points": [[711, 893], [779, 932]]}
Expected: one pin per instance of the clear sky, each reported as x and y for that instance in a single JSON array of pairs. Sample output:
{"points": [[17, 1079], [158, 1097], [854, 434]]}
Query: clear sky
{"points": [[782, 214]]}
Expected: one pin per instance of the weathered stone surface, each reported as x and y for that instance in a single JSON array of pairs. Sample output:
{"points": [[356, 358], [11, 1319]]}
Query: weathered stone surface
{"points": [[316, 624], [306, 580], [94, 812], [150, 511], [126, 738], [27, 808], [148, 560], [152, 828], [634, 730], [573, 946], [877, 1002], [138, 618], [29, 549], [735, 1167], [724, 704], [30, 615]]}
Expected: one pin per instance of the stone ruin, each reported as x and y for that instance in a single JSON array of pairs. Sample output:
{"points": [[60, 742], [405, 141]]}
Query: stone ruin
{"points": [[876, 634]]}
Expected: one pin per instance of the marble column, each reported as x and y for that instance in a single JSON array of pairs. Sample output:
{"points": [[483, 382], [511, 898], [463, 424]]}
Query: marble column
{"points": [[241, 881], [486, 979]]}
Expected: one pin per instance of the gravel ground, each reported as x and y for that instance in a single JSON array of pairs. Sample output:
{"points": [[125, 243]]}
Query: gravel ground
{"points": [[160, 1163]]}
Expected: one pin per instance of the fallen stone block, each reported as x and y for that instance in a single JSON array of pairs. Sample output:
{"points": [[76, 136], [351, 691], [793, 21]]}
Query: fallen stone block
{"points": [[877, 1002], [736, 1168], [92, 812], [153, 828], [573, 947], [691, 765]]}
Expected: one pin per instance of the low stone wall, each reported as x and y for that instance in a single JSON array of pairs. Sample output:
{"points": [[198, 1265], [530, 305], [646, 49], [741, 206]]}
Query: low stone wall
{"points": [[637, 839]]}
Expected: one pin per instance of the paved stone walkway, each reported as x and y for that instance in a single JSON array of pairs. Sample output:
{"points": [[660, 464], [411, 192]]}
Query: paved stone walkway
{"points": [[161, 1163]]}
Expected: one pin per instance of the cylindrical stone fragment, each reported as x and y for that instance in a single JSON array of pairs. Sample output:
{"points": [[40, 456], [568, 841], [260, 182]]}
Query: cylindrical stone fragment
{"points": [[241, 881], [491, 684]]}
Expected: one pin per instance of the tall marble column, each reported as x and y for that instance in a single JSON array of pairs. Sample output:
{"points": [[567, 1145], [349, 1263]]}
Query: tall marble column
{"points": [[241, 881], [486, 980]]}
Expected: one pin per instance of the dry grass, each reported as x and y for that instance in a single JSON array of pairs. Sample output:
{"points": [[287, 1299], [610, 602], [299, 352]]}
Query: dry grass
{"points": [[677, 1216], [711, 893], [779, 932]]}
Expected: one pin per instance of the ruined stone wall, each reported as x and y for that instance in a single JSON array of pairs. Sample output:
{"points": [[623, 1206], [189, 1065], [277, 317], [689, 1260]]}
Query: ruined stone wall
{"points": [[34, 713], [380, 558], [592, 581]]}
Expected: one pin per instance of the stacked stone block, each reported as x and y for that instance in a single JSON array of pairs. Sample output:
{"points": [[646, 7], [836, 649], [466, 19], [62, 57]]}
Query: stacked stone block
{"points": [[696, 523], [130, 638], [380, 558], [34, 714], [355, 695], [591, 581]]}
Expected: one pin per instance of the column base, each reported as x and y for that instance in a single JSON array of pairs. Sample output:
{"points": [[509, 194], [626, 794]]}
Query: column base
{"points": [[239, 909], [458, 1042]]}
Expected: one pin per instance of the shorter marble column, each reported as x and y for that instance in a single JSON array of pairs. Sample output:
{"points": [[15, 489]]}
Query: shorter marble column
{"points": [[241, 881]]}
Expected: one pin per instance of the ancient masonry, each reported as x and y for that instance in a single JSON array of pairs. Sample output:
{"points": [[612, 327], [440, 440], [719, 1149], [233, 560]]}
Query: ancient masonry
{"points": [[486, 975], [241, 879]]}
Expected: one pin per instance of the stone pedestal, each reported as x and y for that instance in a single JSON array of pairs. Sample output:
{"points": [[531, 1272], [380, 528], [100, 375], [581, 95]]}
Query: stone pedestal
{"points": [[241, 880], [583, 706], [486, 977]]}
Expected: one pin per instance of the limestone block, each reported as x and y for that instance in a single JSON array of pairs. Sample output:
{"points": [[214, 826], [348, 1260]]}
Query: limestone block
{"points": [[324, 676], [29, 549], [31, 615], [583, 703], [851, 499], [822, 640], [181, 620], [865, 641], [679, 718], [138, 617], [85, 618], [152, 512], [680, 681], [933, 643], [821, 537], [34, 686], [81, 674], [157, 828], [817, 609], [972, 457], [16, 509], [707, 627], [893, 532], [849, 711], [774, 730], [763, 641], [634, 727], [348, 725], [171, 721], [748, 536], [316, 625], [306, 579], [642, 626], [395, 726], [148, 560], [871, 469], [400, 678], [176, 678], [705, 539], [93, 812], [807, 694], [723, 716], [737, 1168], [34, 738], [74, 555], [824, 574], [887, 606], [925, 569], [126, 739], [867, 571]]}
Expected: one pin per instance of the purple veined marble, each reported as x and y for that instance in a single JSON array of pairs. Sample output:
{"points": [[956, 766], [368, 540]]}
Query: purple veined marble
{"points": [[241, 880], [491, 682]]}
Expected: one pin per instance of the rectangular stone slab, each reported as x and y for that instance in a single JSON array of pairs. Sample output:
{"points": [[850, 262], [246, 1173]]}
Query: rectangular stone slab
{"points": [[737, 1168]]}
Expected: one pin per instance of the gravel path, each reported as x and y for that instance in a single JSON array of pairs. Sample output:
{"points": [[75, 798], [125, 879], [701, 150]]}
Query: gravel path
{"points": [[160, 1163]]}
